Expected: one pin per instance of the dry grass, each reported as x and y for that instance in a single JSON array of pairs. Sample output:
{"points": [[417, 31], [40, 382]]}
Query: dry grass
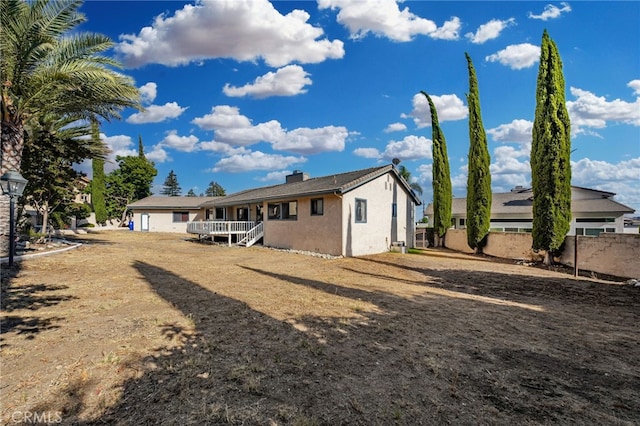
{"points": [[138, 328]]}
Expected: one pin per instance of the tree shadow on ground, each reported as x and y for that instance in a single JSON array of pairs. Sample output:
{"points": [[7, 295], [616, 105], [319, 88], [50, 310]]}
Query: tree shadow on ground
{"points": [[31, 297], [516, 287], [430, 359]]}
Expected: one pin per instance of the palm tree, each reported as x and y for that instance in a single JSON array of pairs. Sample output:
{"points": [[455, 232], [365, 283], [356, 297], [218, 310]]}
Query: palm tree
{"points": [[406, 175], [45, 71]]}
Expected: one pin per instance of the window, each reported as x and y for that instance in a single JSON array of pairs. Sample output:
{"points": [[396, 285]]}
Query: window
{"points": [[283, 211], [219, 213], [594, 232], [290, 210], [462, 222], [317, 207], [394, 209], [273, 211], [361, 210], [242, 213], [181, 216], [609, 229], [510, 229], [579, 231], [595, 219]]}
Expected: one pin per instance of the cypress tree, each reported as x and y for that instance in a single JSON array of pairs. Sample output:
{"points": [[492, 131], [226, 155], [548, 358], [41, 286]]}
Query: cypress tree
{"points": [[550, 154], [98, 184], [479, 175], [441, 175], [140, 147]]}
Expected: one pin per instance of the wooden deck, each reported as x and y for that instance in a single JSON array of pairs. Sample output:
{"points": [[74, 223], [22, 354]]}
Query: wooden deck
{"points": [[248, 232]]}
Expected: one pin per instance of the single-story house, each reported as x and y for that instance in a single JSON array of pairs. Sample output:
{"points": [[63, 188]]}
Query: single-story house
{"points": [[593, 211], [349, 214], [167, 214]]}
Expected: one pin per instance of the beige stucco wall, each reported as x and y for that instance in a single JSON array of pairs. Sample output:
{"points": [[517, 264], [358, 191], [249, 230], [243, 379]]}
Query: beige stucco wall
{"points": [[162, 220], [381, 229], [611, 254], [456, 239], [511, 245], [320, 234]]}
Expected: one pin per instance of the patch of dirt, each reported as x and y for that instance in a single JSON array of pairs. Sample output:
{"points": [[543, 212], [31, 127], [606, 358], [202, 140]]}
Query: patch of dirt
{"points": [[142, 328]]}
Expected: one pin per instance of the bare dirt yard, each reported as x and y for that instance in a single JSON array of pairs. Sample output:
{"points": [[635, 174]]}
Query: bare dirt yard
{"points": [[146, 329]]}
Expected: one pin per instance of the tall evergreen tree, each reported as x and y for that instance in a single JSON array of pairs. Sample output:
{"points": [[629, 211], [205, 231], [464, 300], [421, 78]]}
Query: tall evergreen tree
{"points": [[479, 175], [441, 175], [171, 186], [550, 154], [98, 186], [140, 147], [215, 190]]}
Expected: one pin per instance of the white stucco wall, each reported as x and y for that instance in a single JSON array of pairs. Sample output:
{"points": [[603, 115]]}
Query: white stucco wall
{"points": [[380, 229], [162, 220]]}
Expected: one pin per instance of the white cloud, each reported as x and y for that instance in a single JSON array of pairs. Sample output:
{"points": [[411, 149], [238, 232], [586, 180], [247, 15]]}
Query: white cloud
{"points": [[589, 110], [288, 81], [490, 30], [179, 143], [448, 31], [312, 141], [158, 154], [222, 148], [410, 148], [635, 85], [516, 56], [275, 176], [367, 152], [621, 178], [449, 108], [222, 117], [590, 172], [395, 127], [255, 160], [157, 113], [234, 129], [243, 30], [148, 92], [516, 131], [551, 12], [384, 18]]}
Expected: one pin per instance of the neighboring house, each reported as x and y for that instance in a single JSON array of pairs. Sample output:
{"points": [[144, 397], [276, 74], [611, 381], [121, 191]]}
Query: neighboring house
{"points": [[593, 211], [350, 214], [167, 214]]}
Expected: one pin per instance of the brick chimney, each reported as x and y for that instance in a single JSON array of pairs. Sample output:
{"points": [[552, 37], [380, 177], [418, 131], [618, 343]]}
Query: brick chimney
{"points": [[297, 176]]}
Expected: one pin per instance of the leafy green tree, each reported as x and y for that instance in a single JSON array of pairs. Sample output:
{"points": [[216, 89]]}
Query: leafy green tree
{"points": [[130, 182], [441, 177], [171, 186], [215, 190], [48, 68], [550, 154], [191, 193], [50, 150], [479, 174], [98, 185]]}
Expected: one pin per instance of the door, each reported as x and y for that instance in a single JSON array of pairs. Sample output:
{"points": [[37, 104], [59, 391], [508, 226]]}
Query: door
{"points": [[144, 219]]}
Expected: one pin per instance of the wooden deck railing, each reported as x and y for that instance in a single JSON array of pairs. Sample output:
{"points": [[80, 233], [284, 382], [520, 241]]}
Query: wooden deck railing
{"points": [[219, 227]]}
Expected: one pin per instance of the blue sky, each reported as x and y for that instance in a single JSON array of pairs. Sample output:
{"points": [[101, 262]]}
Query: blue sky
{"points": [[244, 92]]}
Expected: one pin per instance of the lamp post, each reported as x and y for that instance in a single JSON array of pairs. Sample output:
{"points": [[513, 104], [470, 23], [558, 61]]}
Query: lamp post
{"points": [[13, 185]]}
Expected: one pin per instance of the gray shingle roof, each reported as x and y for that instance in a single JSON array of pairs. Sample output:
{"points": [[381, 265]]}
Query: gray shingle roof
{"points": [[163, 202], [521, 202], [338, 183]]}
